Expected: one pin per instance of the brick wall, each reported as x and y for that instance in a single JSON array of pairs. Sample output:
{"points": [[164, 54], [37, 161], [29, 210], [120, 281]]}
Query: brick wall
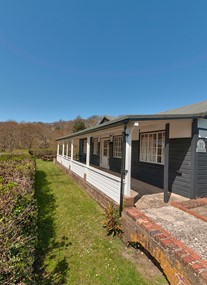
{"points": [[181, 265]]}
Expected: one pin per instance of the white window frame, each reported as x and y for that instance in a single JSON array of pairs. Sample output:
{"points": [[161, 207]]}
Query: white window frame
{"points": [[117, 146], [95, 146], [152, 147]]}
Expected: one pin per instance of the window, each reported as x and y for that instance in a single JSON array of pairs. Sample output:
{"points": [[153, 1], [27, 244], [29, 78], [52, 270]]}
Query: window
{"points": [[117, 147], [95, 146], [152, 147], [106, 148]]}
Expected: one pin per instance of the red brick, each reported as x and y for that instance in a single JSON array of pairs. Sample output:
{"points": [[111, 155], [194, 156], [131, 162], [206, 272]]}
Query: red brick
{"points": [[188, 259], [160, 237], [203, 275], [197, 267], [166, 242], [193, 254], [204, 262], [149, 226], [155, 232], [179, 254]]}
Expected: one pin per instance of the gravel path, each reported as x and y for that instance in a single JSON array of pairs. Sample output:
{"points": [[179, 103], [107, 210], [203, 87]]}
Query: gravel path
{"points": [[183, 226]]}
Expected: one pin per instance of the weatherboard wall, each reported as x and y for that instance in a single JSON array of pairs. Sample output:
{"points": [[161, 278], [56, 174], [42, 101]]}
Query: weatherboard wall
{"points": [[180, 166]]}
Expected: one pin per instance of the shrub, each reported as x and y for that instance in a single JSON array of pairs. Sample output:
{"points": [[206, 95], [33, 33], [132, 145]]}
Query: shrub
{"points": [[43, 153], [112, 221], [18, 216]]}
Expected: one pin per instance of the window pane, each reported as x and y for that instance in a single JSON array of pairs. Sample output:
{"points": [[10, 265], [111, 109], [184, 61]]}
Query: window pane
{"points": [[117, 146], [152, 147]]}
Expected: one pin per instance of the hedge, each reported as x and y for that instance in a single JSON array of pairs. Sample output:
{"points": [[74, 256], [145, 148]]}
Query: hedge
{"points": [[18, 219]]}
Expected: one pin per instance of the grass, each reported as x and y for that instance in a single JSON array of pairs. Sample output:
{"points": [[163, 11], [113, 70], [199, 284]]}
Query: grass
{"points": [[73, 246]]}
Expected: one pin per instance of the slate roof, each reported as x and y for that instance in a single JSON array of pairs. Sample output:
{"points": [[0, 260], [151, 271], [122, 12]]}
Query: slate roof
{"points": [[197, 108]]}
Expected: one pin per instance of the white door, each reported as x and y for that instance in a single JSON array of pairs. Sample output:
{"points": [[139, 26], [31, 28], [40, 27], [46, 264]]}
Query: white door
{"points": [[105, 153]]}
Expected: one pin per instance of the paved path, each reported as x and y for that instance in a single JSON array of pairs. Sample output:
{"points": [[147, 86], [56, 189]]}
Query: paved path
{"points": [[183, 226]]}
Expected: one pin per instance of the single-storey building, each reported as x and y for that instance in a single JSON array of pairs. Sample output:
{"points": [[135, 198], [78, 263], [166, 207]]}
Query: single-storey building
{"points": [[166, 151]]}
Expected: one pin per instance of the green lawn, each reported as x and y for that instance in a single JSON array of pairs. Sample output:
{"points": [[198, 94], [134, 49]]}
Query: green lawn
{"points": [[73, 246]]}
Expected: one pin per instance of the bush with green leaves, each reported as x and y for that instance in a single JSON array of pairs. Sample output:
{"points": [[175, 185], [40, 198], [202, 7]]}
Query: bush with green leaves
{"points": [[112, 221], [18, 218], [41, 153]]}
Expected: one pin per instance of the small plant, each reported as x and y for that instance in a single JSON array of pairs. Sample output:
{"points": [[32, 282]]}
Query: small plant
{"points": [[112, 221]]}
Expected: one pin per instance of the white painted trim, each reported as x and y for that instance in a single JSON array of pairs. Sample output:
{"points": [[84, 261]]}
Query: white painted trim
{"points": [[105, 182], [63, 150], [72, 150], [88, 151], [128, 157]]}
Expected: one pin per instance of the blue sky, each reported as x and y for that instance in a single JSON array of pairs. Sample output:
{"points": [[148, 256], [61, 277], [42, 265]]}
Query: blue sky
{"points": [[64, 58]]}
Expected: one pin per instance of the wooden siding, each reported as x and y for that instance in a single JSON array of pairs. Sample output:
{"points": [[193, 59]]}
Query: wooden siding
{"points": [[94, 158], [148, 172], [202, 173], [82, 155], [114, 163], [180, 166]]}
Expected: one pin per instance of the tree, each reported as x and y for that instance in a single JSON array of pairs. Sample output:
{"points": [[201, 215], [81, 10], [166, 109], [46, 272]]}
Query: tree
{"points": [[9, 135], [78, 124]]}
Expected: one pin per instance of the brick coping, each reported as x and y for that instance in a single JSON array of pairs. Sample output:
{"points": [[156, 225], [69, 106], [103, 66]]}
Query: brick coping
{"points": [[186, 206], [182, 253]]}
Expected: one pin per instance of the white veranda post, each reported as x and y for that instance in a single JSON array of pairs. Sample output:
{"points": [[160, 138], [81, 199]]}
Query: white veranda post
{"points": [[63, 150], [128, 158], [71, 149], [88, 152], [58, 149], [67, 149]]}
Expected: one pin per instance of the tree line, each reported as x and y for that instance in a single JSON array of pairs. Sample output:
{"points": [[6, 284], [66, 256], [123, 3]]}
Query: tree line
{"points": [[39, 135]]}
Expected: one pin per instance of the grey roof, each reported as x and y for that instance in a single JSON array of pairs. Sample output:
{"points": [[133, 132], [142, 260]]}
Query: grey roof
{"points": [[198, 110], [200, 107], [106, 118]]}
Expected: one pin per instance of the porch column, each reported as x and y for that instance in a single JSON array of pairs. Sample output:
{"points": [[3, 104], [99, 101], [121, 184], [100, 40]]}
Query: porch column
{"points": [[71, 149], [67, 149], [166, 162], [63, 150], [128, 156], [58, 148], [88, 151]]}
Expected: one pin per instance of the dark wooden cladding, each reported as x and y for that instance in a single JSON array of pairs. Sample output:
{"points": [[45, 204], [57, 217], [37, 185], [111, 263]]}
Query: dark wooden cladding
{"points": [[148, 172], [115, 164], [180, 166], [94, 158], [201, 178]]}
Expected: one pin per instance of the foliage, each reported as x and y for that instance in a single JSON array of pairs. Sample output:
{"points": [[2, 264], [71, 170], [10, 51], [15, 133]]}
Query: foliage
{"points": [[18, 216], [78, 125], [38, 135], [112, 221], [73, 247], [42, 153]]}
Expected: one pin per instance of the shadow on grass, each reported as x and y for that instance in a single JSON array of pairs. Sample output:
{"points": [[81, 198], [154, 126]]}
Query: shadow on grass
{"points": [[46, 235]]}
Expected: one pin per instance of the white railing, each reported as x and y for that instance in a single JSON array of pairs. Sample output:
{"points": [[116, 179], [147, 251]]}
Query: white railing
{"points": [[78, 168], [66, 162], [59, 158], [105, 182]]}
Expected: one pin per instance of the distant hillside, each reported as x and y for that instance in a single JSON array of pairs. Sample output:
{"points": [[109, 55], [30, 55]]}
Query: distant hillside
{"points": [[37, 135]]}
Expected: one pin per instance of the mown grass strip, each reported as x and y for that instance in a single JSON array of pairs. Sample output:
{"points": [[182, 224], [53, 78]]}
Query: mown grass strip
{"points": [[73, 246]]}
